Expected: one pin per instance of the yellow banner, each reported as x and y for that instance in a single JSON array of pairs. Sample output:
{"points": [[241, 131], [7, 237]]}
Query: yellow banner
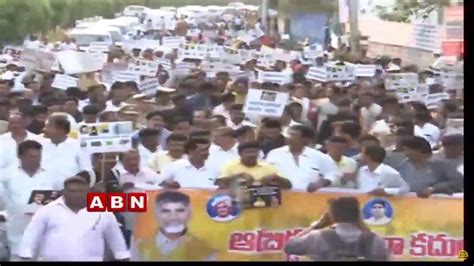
{"points": [[414, 229]]}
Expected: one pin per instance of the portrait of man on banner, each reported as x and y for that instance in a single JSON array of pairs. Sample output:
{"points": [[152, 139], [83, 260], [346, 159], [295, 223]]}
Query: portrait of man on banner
{"points": [[173, 241]]}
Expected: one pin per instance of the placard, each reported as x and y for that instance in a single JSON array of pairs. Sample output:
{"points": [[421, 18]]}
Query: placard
{"points": [[274, 77], [74, 62], [64, 81], [365, 70], [124, 76], [454, 126], [149, 86], [313, 51], [401, 82], [318, 74], [265, 103], [184, 68], [165, 63], [189, 51], [432, 100], [14, 52], [143, 67], [28, 59], [106, 137], [173, 41], [46, 61], [99, 47]]}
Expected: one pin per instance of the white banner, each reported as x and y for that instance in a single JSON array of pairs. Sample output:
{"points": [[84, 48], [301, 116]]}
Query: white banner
{"points": [[401, 82], [64, 81], [165, 63], [106, 137], [427, 37], [433, 100], [313, 51], [318, 74], [124, 76], [365, 70], [265, 103]]}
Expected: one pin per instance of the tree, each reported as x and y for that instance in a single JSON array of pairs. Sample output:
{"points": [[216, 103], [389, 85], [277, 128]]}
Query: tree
{"points": [[404, 9]]}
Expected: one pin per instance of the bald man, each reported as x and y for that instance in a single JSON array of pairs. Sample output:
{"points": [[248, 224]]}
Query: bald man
{"points": [[223, 148]]}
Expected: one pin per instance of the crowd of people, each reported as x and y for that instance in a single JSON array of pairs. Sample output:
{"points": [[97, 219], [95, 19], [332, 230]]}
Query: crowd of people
{"points": [[192, 132]]}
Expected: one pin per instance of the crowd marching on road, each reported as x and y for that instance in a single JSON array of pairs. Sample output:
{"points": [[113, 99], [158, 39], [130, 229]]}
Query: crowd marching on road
{"points": [[174, 100]]}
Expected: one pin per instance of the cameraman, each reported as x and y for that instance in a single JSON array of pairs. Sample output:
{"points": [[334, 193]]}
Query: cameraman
{"points": [[339, 235]]}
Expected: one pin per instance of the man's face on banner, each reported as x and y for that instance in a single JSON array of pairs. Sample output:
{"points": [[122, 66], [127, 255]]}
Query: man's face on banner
{"points": [[223, 209], [173, 217], [378, 210]]}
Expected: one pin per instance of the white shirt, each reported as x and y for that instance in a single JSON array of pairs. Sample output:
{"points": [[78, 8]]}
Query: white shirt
{"points": [[7, 143], [382, 221], [429, 132], [285, 131], [64, 160], [110, 107], [313, 165], [59, 234], [218, 157], [15, 189], [369, 115], [243, 123], [324, 110], [145, 176], [220, 110], [64, 46], [383, 176], [188, 176], [145, 155]]}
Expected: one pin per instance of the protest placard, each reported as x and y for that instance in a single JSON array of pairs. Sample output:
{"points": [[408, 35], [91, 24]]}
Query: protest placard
{"points": [[173, 41], [98, 47], [143, 67], [365, 70], [106, 137], [149, 86], [274, 77], [401, 82], [45, 61], [14, 52], [184, 68], [64, 81], [432, 100], [313, 51], [165, 63], [265, 103], [74, 62], [454, 126], [124, 76], [318, 74], [28, 59]]}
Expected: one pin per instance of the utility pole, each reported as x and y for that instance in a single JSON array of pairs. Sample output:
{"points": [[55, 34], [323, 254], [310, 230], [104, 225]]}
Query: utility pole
{"points": [[354, 24]]}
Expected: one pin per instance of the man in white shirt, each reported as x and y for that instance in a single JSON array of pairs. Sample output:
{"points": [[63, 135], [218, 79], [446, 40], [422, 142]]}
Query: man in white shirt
{"points": [[193, 171], [223, 109], [16, 185], [237, 117], [149, 144], [425, 129], [224, 148], [65, 231], [306, 168], [369, 112], [10, 140], [377, 178], [134, 174], [62, 156]]}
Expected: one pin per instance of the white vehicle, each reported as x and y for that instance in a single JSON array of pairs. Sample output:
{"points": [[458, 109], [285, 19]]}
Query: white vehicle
{"points": [[135, 11], [169, 8], [84, 37], [236, 4]]}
